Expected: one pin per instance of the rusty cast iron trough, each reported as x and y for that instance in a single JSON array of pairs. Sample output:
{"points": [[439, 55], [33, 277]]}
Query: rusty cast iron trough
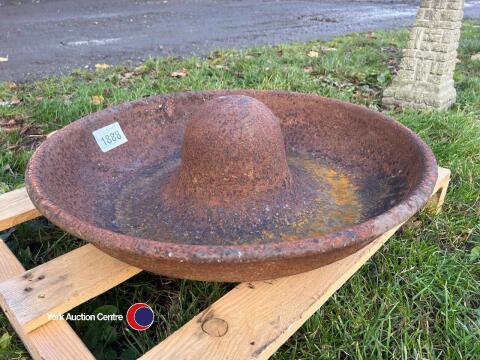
{"points": [[232, 185]]}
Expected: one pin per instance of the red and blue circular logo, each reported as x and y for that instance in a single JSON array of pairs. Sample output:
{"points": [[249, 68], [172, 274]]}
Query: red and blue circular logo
{"points": [[140, 316]]}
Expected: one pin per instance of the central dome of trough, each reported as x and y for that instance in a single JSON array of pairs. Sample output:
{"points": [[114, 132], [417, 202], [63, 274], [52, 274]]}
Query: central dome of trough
{"points": [[233, 149], [233, 181]]}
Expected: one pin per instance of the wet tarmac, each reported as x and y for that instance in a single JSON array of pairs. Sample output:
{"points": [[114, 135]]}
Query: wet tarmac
{"points": [[43, 37]]}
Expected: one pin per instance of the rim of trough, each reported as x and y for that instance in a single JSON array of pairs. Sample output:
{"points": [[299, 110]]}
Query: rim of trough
{"points": [[357, 235]]}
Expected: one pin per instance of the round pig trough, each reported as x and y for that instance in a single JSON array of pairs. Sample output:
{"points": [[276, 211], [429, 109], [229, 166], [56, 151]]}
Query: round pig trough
{"points": [[234, 185]]}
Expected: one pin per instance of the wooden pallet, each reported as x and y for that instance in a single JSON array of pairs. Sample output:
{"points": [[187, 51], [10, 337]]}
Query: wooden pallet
{"points": [[250, 322]]}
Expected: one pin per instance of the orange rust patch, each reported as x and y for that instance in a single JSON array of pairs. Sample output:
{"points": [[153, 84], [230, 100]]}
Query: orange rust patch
{"points": [[338, 202], [336, 206]]}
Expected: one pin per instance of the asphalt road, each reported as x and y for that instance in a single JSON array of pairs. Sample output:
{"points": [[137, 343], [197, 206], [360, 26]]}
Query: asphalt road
{"points": [[42, 37]]}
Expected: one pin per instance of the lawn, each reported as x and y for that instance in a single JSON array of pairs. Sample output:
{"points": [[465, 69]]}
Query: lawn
{"points": [[417, 298]]}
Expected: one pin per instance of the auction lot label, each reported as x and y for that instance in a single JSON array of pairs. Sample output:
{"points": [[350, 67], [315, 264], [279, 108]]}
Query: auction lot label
{"points": [[109, 137]]}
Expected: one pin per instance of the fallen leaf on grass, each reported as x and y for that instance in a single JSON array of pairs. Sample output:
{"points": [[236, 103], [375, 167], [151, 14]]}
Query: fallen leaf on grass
{"points": [[8, 125], [14, 100], [140, 69], [414, 223], [3, 59], [308, 69], [97, 100], [179, 73], [32, 130], [67, 99], [101, 66], [11, 125], [238, 75], [312, 54], [125, 76], [8, 168], [31, 135], [12, 86], [324, 48], [475, 57]]}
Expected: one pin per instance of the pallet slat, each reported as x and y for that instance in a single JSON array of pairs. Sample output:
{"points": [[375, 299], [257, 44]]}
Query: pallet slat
{"points": [[253, 320], [438, 196], [53, 341], [15, 208], [61, 284]]}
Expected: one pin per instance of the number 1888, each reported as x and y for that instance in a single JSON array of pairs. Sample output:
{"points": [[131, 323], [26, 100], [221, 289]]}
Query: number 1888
{"points": [[112, 137]]}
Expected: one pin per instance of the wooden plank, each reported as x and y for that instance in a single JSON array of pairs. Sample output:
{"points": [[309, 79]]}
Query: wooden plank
{"points": [[254, 319], [61, 284], [15, 208], [53, 341], [438, 197], [259, 317]]}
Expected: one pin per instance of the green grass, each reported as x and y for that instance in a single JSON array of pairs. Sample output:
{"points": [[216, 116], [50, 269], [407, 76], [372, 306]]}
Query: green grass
{"points": [[417, 298]]}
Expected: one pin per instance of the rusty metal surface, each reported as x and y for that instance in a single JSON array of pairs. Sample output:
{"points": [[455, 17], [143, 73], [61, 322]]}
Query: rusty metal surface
{"points": [[233, 185]]}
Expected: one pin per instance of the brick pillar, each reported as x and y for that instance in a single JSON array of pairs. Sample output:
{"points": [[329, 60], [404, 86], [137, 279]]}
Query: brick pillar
{"points": [[425, 78]]}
